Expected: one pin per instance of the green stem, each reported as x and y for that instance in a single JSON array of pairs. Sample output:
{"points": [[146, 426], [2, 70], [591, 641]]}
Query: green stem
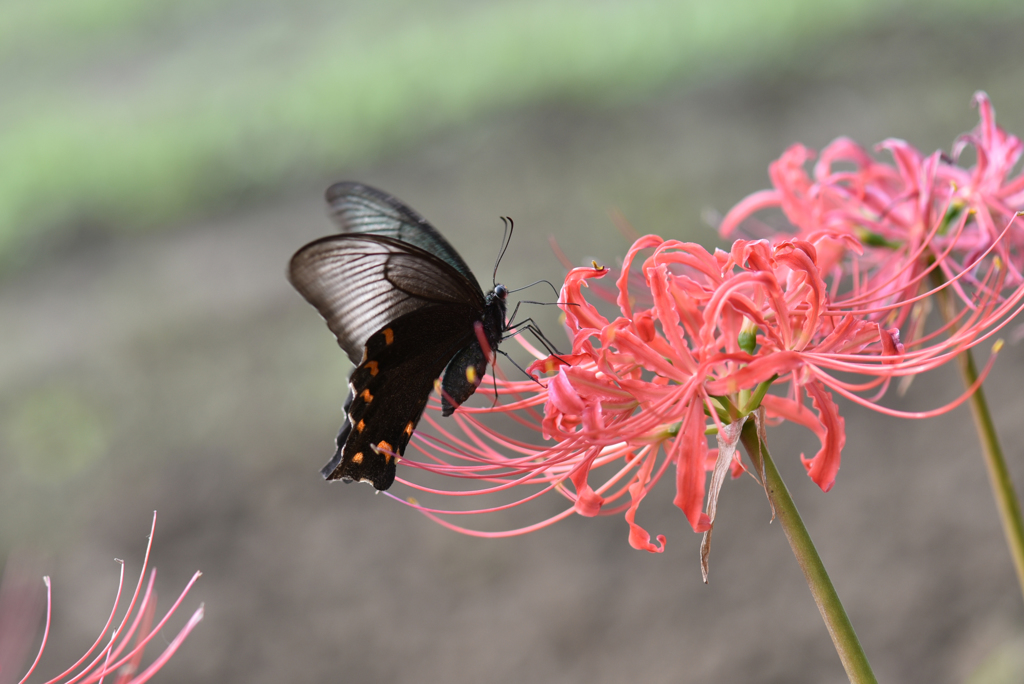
{"points": [[851, 654], [998, 474]]}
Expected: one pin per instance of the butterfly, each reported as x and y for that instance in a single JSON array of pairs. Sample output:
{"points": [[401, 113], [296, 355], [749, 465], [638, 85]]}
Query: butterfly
{"points": [[405, 307]]}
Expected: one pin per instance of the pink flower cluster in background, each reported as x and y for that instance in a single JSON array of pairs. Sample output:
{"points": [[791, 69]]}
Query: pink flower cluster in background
{"points": [[114, 656], [915, 213]]}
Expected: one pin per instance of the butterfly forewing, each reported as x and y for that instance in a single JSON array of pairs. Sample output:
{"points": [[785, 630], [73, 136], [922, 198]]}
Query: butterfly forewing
{"points": [[358, 208], [360, 283]]}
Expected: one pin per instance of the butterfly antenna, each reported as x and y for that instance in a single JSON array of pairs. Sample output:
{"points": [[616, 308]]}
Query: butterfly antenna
{"points": [[553, 288], [506, 238], [527, 301]]}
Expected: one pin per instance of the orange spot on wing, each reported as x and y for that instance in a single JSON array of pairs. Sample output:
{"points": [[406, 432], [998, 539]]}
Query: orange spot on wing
{"points": [[409, 427], [358, 458], [372, 367], [385, 448], [360, 425], [367, 397], [389, 335]]}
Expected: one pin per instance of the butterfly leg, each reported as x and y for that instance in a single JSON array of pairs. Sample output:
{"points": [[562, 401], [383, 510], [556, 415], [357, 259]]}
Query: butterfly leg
{"points": [[528, 325]]}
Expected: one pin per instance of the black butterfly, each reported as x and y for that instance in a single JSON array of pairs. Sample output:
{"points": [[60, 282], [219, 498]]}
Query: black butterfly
{"points": [[404, 307]]}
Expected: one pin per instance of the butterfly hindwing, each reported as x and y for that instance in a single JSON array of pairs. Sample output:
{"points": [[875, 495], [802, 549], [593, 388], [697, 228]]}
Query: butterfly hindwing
{"points": [[466, 369], [462, 377], [389, 389]]}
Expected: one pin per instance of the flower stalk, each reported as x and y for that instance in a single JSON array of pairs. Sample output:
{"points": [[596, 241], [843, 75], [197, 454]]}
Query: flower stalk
{"points": [[848, 646], [998, 474], [1003, 490]]}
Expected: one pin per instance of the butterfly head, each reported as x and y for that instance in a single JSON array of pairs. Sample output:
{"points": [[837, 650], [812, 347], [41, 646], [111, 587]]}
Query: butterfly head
{"points": [[496, 300]]}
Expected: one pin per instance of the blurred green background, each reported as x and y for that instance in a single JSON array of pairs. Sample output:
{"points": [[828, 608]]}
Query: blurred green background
{"points": [[127, 114], [159, 163]]}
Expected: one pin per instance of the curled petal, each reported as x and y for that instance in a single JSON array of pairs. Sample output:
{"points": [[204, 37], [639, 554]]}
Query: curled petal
{"points": [[588, 502], [639, 538], [832, 433], [580, 314], [646, 242], [828, 425]]}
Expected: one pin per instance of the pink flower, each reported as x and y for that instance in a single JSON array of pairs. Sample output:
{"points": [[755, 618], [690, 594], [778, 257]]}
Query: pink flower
{"points": [[116, 657], [771, 330], [909, 217], [640, 392]]}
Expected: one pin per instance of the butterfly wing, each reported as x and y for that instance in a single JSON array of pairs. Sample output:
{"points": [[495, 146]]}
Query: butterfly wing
{"points": [[402, 303], [358, 208], [362, 282], [389, 389]]}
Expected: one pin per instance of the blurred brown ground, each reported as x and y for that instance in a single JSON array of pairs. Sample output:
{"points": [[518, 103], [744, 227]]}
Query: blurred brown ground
{"points": [[184, 375]]}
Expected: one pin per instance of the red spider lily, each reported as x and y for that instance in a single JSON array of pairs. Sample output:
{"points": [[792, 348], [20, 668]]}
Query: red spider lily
{"points": [[120, 658], [912, 216], [640, 393]]}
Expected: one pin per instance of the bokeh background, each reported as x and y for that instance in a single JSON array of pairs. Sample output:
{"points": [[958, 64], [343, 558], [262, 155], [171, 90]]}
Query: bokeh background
{"points": [[160, 160]]}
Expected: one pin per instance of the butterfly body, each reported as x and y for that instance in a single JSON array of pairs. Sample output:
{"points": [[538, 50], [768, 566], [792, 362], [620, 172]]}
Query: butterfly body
{"points": [[406, 309]]}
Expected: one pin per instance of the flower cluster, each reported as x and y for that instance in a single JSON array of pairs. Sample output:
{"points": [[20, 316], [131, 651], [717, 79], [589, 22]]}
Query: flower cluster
{"points": [[917, 214], [771, 329]]}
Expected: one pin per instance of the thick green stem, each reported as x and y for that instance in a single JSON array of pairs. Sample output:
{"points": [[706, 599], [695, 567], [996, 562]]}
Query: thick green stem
{"points": [[998, 474], [851, 654]]}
